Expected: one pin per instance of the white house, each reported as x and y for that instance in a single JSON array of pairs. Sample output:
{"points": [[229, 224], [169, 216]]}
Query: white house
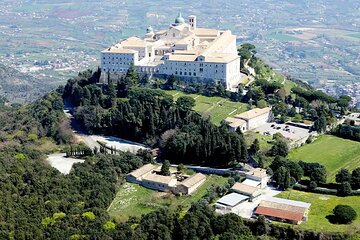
{"points": [[250, 119], [137, 175], [159, 182], [184, 50], [189, 185]]}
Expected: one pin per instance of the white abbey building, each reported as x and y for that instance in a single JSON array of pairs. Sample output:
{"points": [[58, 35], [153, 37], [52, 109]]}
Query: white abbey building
{"points": [[184, 50]]}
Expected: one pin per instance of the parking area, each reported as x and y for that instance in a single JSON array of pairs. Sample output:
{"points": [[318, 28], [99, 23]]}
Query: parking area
{"points": [[294, 134], [119, 144], [62, 163]]}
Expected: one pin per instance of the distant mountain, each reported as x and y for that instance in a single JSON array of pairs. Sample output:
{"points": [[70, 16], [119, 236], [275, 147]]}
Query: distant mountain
{"points": [[20, 87]]}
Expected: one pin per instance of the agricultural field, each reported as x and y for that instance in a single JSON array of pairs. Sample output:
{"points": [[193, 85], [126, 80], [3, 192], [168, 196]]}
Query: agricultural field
{"points": [[321, 207], [217, 108], [134, 200], [281, 37], [333, 152]]}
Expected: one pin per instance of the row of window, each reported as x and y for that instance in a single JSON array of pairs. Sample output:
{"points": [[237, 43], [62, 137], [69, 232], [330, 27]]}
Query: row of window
{"points": [[185, 73], [117, 58]]}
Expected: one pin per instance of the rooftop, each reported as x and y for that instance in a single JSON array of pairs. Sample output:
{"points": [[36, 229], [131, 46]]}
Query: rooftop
{"points": [[232, 199], [253, 113], [241, 187], [134, 42], [278, 213], [118, 50], [158, 178], [251, 182], [258, 172], [288, 202], [192, 180], [235, 122], [143, 170]]}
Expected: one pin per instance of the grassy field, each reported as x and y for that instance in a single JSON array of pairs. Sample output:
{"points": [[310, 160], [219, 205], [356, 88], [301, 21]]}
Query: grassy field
{"points": [[321, 207], [134, 200], [283, 37], [333, 152], [355, 35], [216, 107]]}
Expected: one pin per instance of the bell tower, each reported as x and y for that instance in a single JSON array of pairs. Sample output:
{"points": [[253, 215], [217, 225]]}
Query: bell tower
{"points": [[192, 21]]}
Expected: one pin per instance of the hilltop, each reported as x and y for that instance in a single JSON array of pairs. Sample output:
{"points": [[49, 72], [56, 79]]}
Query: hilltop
{"points": [[20, 87]]}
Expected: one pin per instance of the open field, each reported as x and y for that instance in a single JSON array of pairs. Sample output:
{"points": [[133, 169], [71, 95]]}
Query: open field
{"points": [[281, 37], [217, 108], [333, 152], [322, 206], [134, 200]]}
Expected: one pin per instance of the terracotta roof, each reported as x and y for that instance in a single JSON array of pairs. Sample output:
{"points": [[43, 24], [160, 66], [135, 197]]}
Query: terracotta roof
{"points": [[243, 188], [278, 213], [158, 178], [285, 207], [143, 170], [192, 180], [253, 113]]}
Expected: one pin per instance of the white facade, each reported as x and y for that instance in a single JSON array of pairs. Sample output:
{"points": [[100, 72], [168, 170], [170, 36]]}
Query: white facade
{"points": [[250, 119], [183, 50]]}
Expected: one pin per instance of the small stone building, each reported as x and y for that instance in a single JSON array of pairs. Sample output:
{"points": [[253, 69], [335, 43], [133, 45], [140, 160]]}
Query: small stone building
{"points": [[189, 185]]}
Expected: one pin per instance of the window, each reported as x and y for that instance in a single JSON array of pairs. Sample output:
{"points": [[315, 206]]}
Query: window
{"points": [[201, 69], [180, 73], [194, 73], [185, 73], [190, 73], [175, 72]]}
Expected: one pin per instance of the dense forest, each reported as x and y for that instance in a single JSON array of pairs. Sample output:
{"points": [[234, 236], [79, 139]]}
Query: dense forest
{"points": [[152, 117]]}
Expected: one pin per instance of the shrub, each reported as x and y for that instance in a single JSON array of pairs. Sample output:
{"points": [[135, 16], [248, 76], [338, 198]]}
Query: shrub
{"points": [[344, 214], [344, 189]]}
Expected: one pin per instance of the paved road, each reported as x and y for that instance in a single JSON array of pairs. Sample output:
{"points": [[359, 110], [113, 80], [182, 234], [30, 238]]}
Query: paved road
{"points": [[92, 140], [78, 131]]}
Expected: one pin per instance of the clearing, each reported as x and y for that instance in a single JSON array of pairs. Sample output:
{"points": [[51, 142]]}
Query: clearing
{"points": [[135, 200], [333, 152], [217, 108], [321, 207]]}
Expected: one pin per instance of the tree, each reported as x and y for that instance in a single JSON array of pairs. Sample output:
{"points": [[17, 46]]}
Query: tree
{"points": [[261, 227], [170, 82], [185, 103], [280, 148], [181, 167], [165, 168], [261, 103], [344, 189], [343, 176], [344, 214], [355, 178], [318, 175], [283, 178], [255, 146], [320, 124]]}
